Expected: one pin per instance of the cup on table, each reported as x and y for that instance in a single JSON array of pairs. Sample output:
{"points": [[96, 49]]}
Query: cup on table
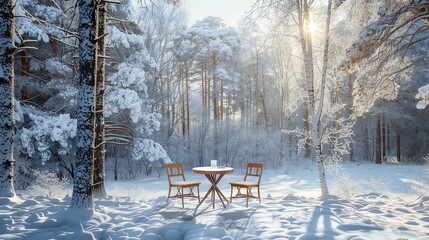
{"points": [[213, 163], [221, 164]]}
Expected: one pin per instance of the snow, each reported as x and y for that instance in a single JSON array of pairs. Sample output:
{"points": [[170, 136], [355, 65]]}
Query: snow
{"points": [[46, 129], [423, 96], [54, 66], [149, 149], [120, 98], [26, 26], [116, 38], [290, 209]]}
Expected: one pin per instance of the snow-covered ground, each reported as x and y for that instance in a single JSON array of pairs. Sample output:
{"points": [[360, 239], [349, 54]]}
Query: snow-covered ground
{"points": [[389, 201]]}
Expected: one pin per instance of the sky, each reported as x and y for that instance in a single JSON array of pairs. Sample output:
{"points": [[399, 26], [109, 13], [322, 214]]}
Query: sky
{"points": [[229, 10]]}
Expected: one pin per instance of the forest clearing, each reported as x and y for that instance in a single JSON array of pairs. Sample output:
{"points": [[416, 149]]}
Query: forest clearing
{"points": [[323, 102]]}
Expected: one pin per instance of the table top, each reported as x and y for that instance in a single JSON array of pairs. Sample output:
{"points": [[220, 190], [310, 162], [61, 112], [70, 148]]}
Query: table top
{"points": [[213, 170]]}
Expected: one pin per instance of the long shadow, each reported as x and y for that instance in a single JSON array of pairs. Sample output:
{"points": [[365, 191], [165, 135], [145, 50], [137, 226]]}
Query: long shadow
{"points": [[182, 214], [201, 210], [235, 218], [324, 211], [239, 220]]}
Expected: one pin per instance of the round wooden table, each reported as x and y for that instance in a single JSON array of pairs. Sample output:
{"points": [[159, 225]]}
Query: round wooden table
{"points": [[214, 175]]}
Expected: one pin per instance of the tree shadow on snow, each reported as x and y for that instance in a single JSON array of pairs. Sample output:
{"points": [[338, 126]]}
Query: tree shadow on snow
{"points": [[320, 225]]}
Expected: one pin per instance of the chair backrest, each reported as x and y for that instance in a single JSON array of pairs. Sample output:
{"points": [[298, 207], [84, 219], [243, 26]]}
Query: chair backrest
{"points": [[174, 170], [254, 170]]}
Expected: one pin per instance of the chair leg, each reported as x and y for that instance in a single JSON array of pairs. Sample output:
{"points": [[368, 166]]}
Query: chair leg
{"points": [[198, 188], [231, 195], [169, 192], [247, 198], [183, 204], [259, 194]]}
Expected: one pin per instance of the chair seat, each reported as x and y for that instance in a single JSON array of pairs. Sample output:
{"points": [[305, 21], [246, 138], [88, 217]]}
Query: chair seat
{"points": [[244, 184], [185, 183]]}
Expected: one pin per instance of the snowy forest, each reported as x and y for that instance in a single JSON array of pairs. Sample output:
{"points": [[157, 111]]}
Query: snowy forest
{"points": [[112, 90]]}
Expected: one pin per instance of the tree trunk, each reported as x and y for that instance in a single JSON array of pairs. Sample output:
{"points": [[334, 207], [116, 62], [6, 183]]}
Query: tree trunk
{"points": [[378, 140], [170, 111], [318, 112], [398, 147], [314, 114], [82, 186], [99, 141], [182, 97], [215, 90], [116, 163], [221, 101], [207, 93], [383, 138], [7, 49], [188, 116], [25, 64], [307, 129], [203, 94], [263, 103], [282, 152], [25, 69], [388, 134], [215, 110]]}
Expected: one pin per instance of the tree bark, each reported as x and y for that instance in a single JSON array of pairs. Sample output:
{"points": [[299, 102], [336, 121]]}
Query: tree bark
{"points": [[307, 129], [378, 140], [7, 49], [318, 113], [82, 187], [99, 141], [383, 138], [314, 114]]}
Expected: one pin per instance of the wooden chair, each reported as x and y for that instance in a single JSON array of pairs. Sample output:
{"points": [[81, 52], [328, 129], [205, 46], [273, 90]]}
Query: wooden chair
{"points": [[175, 171], [253, 170]]}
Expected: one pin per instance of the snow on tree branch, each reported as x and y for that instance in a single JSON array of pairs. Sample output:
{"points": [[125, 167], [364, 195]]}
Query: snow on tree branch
{"points": [[423, 95], [394, 29], [118, 99], [149, 149], [117, 38], [36, 20], [46, 130], [55, 66]]}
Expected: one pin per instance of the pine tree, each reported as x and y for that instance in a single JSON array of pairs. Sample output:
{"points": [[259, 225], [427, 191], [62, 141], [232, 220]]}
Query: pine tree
{"points": [[82, 186], [99, 141], [7, 49]]}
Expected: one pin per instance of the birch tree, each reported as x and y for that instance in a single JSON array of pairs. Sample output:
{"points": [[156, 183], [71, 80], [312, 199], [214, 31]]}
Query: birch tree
{"points": [[7, 49], [304, 22], [99, 140], [82, 186]]}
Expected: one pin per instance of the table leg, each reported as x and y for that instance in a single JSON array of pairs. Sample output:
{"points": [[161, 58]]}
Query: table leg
{"points": [[214, 189], [213, 193], [214, 182], [205, 196]]}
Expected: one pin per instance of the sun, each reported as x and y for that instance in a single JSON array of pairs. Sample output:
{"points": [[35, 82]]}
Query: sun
{"points": [[311, 27]]}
